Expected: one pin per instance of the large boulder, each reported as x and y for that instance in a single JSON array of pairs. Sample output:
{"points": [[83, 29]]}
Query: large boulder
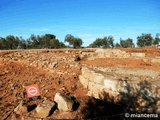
{"points": [[46, 108], [65, 103]]}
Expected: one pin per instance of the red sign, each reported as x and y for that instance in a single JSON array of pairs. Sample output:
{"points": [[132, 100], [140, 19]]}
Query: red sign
{"points": [[32, 91]]}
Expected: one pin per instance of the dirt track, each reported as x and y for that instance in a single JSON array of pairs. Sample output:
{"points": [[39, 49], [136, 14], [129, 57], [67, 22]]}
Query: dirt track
{"points": [[18, 69]]}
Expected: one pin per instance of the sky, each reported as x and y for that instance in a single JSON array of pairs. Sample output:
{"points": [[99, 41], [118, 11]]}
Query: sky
{"points": [[86, 19]]}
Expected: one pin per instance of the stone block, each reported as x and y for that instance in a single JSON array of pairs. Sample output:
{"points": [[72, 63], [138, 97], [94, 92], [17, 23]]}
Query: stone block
{"points": [[87, 74], [91, 86], [83, 81], [46, 108], [158, 110], [155, 61], [158, 104], [65, 103], [99, 79], [99, 51], [138, 54], [111, 84], [22, 108], [95, 88]]}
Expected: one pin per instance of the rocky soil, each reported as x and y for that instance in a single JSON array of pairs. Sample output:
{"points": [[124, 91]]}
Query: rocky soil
{"points": [[57, 71]]}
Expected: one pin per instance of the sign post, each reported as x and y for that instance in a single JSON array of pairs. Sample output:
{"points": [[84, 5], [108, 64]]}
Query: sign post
{"points": [[32, 91]]}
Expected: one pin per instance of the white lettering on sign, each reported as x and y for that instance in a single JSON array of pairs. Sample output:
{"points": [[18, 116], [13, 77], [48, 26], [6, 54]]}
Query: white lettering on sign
{"points": [[32, 90]]}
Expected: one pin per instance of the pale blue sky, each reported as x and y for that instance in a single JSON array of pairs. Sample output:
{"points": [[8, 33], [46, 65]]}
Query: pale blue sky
{"points": [[87, 19]]}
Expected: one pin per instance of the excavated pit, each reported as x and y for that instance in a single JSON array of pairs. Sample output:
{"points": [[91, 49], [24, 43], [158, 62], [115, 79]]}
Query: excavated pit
{"points": [[109, 77], [106, 83]]}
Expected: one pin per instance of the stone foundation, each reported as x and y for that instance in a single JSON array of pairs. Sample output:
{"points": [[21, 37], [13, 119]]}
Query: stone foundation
{"points": [[137, 87]]}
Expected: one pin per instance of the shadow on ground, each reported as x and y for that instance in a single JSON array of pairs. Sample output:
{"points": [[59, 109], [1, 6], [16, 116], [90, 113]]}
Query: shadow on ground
{"points": [[99, 109], [108, 110]]}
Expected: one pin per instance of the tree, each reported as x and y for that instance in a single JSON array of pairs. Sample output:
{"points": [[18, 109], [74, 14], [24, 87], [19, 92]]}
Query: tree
{"points": [[22, 43], [50, 36], [117, 45], [17, 41], [156, 41], [97, 43], [28, 43], [90, 46], [3, 43], [123, 43], [9, 40], [126, 43], [144, 40], [111, 41], [75, 41], [54, 43], [34, 41], [62, 45], [47, 40], [40, 41], [106, 42], [12, 41]]}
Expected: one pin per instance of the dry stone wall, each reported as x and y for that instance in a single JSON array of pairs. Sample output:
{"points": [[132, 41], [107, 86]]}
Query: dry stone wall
{"points": [[116, 53], [120, 85], [113, 53]]}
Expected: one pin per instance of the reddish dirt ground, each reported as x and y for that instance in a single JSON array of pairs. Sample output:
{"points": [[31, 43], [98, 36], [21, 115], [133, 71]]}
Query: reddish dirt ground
{"points": [[150, 52], [123, 62], [14, 75]]}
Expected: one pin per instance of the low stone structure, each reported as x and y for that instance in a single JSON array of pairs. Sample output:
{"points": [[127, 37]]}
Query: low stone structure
{"points": [[112, 53], [131, 86]]}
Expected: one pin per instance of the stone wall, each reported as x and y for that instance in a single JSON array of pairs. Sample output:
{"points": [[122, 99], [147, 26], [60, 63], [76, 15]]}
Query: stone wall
{"points": [[113, 53], [120, 85]]}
